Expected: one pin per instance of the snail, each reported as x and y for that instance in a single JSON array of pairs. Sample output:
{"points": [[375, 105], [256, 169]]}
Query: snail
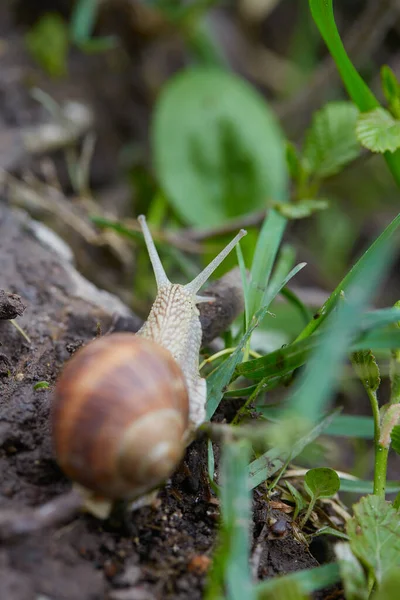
{"points": [[126, 405]]}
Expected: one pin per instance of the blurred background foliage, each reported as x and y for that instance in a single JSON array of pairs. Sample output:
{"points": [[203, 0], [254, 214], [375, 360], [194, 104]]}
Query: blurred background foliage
{"points": [[119, 56]]}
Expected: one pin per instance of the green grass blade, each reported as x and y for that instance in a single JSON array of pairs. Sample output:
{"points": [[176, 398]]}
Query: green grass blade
{"points": [[352, 426], [290, 357], [221, 377], [359, 92], [236, 516], [309, 580], [272, 461], [267, 247], [327, 307], [317, 382], [360, 486]]}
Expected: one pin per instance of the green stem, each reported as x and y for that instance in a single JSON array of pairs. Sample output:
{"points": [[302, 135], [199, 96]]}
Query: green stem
{"points": [[308, 513], [381, 453], [381, 458]]}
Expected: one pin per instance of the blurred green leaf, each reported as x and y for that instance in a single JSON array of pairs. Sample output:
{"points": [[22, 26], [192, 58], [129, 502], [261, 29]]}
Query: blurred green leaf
{"points": [[218, 149], [374, 533], [352, 574], [390, 586], [310, 580], [331, 141], [378, 131], [293, 160], [321, 482], [352, 426], [266, 465], [47, 41], [283, 589]]}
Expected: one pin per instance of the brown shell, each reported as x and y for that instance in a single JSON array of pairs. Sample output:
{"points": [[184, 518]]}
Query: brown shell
{"points": [[103, 392]]}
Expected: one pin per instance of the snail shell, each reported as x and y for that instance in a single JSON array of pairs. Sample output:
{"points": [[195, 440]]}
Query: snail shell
{"points": [[119, 416]]}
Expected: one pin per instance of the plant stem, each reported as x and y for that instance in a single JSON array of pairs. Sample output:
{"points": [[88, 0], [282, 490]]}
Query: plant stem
{"points": [[381, 453]]}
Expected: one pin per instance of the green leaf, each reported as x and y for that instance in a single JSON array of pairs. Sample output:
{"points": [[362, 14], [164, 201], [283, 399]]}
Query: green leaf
{"points": [[218, 149], [47, 41], [321, 482], [389, 588], [352, 574], [367, 369], [396, 502], [374, 533], [309, 580], [266, 465], [378, 131], [301, 209], [331, 141], [359, 92], [391, 89], [298, 500], [395, 436]]}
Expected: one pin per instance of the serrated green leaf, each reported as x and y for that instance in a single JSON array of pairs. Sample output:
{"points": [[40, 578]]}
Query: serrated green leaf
{"points": [[395, 436], [366, 367], [321, 482], [219, 151], [331, 141], [378, 131], [352, 574], [301, 209], [47, 41], [374, 533]]}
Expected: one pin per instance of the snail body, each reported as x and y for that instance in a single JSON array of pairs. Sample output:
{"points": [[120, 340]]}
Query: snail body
{"points": [[125, 405]]}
